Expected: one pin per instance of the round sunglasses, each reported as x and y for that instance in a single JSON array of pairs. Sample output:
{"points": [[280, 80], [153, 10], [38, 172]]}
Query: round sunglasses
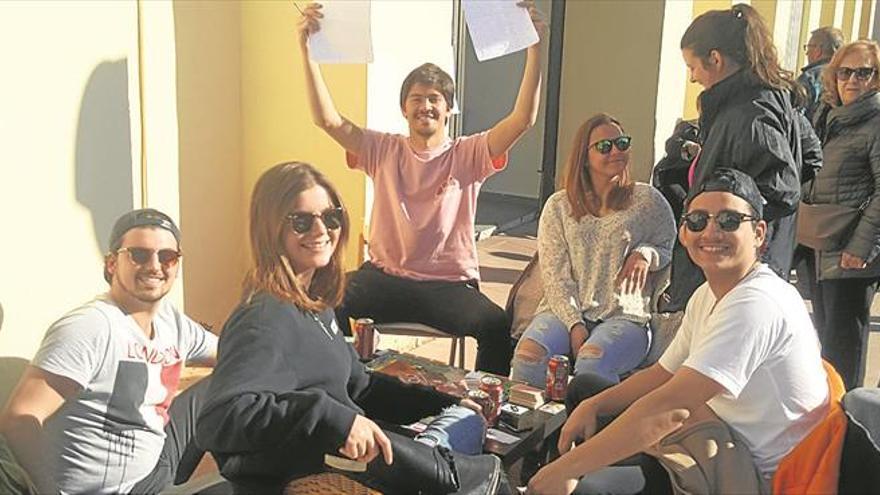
{"points": [[727, 220], [302, 222], [142, 256], [862, 73], [603, 146]]}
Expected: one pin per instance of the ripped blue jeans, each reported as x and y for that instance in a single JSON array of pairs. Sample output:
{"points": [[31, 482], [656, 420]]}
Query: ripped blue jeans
{"points": [[458, 429], [614, 347]]}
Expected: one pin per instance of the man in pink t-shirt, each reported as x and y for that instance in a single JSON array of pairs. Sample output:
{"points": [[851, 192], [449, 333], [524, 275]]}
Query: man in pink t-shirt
{"points": [[423, 259]]}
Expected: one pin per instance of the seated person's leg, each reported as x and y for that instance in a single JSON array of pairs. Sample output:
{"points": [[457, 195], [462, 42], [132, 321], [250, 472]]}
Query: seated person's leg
{"points": [[370, 293], [613, 348], [180, 451], [585, 386], [545, 336], [614, 480], [457, 428]]}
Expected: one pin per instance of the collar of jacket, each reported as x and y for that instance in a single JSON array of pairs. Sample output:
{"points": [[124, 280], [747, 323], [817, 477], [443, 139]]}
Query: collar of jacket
{"points": [[865, 107], [723, 93], [818, 64]]}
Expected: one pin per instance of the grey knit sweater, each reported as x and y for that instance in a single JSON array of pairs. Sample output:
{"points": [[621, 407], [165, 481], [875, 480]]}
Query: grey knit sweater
{"points": [[580, 260]]}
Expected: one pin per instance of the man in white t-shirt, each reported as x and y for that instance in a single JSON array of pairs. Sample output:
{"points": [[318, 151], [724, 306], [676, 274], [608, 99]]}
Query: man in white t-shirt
{"points": [[746, 353], [96, 412], [423, 264]]}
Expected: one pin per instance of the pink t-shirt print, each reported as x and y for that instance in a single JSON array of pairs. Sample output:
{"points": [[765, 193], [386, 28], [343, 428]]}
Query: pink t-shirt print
{"points": [[422, 225]]}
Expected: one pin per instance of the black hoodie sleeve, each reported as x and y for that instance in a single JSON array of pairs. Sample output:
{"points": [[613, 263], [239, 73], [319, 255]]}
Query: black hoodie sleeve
{"points": [[255, 403]]}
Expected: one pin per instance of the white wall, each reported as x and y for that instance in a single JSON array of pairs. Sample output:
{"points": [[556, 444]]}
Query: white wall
{"points": [[673, 76], [67, 164]]}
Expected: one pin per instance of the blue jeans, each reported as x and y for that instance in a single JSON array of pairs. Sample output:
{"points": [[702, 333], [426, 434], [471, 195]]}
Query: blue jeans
{"points": [[614, 347], [458, 429]]}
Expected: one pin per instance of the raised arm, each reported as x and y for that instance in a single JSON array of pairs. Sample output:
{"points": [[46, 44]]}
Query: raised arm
{"points": [[324, 113], [525, 111], [39, 394]]}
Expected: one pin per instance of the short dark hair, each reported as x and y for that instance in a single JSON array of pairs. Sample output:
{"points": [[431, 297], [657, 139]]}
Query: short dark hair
{"points": [[829, 39], [430, 75]]}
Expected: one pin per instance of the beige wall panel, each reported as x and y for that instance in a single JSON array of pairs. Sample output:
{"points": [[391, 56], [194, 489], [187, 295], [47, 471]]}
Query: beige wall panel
{"points": [[605, 70], [275, 116], [213, 209], [66, 162]]}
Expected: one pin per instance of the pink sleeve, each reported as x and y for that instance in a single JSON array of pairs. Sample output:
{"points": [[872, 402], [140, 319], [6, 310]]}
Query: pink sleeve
{"points": [[484, 164], [374, 149]]}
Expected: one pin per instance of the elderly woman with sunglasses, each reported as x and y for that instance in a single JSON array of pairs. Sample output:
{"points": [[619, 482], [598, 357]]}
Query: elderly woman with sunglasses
{"points": [[848, 274], [288, 389], [599, 240]]}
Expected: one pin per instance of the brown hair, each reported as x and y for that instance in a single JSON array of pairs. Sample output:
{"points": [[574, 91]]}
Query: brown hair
{"points": [[741, 34], [430, 75], [829, 73], [271, 272], [579, 185]]}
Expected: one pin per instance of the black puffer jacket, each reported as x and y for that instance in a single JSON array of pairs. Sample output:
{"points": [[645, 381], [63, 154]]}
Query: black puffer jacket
{"points": [[850, 177], [747, 126]]}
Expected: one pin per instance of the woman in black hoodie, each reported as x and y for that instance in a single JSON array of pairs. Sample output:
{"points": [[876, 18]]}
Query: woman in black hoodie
{"points": [[288, 389], [749, 122], [849, 273]]}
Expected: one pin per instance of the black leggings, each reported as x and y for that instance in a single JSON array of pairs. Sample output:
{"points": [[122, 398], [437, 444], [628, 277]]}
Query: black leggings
{"points": [[458, 308]]}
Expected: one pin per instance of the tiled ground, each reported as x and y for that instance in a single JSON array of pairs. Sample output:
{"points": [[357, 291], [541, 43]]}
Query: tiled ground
{"points": [[502, 258]]}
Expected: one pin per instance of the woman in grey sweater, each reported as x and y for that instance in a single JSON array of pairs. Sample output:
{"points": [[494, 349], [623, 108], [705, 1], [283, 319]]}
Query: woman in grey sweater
{"points": [[599, 241], [848, 274]]}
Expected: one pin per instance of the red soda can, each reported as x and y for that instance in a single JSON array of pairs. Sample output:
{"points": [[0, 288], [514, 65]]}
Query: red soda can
{"points": [[493, 387], [364, 337], [557, 377]]}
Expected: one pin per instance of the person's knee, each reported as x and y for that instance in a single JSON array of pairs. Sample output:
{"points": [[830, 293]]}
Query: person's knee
{"points": [[529, 352]]}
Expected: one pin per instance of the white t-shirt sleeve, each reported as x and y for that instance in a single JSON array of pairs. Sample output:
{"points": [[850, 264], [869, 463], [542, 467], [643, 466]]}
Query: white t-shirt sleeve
{"points": [[74, 346], [200, 343], [737, 339]]}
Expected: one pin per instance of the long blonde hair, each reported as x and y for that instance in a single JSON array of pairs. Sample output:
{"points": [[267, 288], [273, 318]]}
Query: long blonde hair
{"points": [[271, 271], [579, 185]]}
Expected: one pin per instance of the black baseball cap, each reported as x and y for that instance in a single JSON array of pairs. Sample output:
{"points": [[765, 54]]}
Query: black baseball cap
{"points": [[734, 182], [146, 217]]}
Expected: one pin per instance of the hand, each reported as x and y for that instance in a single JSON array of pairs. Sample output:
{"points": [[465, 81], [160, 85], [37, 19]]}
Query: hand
{"points": [[634, 274], [581, 425], [537, 16], [473, 406], [365, 441], [309, 23], [549, 481], [852, 262], [578, 335]]}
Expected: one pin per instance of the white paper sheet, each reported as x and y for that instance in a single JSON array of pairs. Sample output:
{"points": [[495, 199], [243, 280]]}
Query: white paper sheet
{"points": [[344, 37], [498, 27]]}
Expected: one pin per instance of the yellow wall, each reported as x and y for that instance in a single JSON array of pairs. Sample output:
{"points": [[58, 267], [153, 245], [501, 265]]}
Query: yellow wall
{"points": [[275, 116], [618, 78], [66, 159], [212, 201]]}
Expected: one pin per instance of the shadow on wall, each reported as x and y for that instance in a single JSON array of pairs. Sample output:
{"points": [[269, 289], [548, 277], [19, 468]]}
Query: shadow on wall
{"points": [[103, 148]]}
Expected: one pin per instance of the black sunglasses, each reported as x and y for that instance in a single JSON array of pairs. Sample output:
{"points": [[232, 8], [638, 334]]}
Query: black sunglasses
{"points": [[142, 256], [862, 73], [603, 146], [302, 222], [727, 220]]}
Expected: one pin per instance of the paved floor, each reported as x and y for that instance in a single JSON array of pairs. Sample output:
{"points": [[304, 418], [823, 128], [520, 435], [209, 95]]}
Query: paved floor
{"points": [[502, 258]]}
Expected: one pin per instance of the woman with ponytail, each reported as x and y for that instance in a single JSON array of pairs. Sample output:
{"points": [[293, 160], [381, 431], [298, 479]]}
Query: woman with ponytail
{"points": [[749, 119]]}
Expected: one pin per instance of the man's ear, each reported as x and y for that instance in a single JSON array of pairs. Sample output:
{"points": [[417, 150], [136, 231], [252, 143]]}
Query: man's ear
{"points": [[760, 232], [681, 234]]}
